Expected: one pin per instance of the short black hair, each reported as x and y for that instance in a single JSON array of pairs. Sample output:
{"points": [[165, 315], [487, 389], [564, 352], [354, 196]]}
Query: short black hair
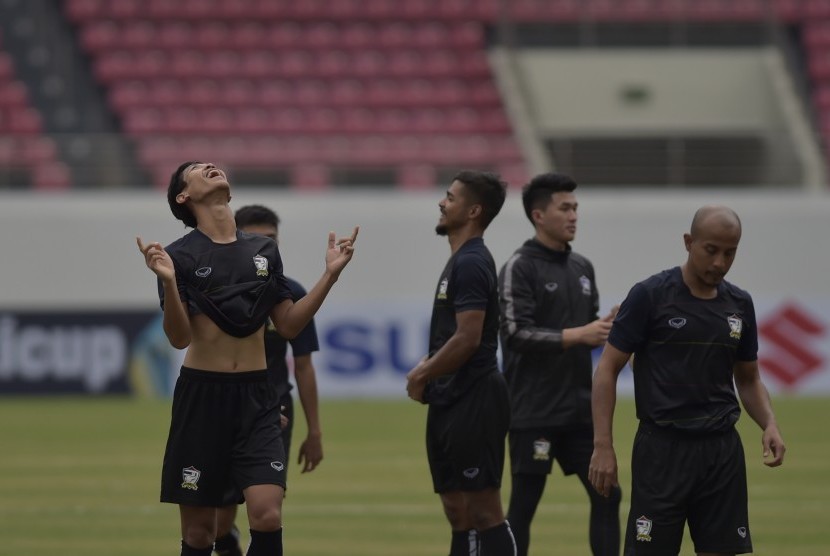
{"points": [[177, 184], [486, 189], [254, 215], [536, 195]]}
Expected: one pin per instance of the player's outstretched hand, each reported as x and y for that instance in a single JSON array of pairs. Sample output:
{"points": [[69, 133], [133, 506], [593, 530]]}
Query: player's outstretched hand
{"points": [[340, 252], [157, 259]]}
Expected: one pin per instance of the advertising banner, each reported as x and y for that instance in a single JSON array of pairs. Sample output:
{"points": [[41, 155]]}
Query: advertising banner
{"points": [[72, 352], [366, 349]]}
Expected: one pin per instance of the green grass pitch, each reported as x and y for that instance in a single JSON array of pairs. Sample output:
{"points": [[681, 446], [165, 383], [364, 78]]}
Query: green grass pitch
{"points": [[80, 477]]}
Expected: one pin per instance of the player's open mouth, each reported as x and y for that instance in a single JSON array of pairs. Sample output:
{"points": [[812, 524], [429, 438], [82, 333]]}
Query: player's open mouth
{"points": [[214, 173]]}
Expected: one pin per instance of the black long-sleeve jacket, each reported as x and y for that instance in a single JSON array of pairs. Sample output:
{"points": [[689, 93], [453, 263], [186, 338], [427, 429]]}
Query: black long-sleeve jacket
{"points": [[542, 292]]}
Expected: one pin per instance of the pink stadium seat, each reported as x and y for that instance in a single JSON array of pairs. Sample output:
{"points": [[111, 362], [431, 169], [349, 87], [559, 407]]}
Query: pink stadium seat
{"points": [[247, 34], [36, 150], [347, 92], [294, 64], [321, 36], [137, 34], [128, 94], [252, 120], [174, 34], [258, 63], [467, 35], [310, 92], [212, 34], [25, 121], [80, 11], [813, 9], [816, 35], [788, 10], [282, 36], [819, 65], [345, 10], [238, 92], [432, 34], [6, 67], [51, 176], [368, 63], [274, 92], [357, 35], [199, 93], [100, 35], [123, 9], [13, 94], [394, 35], [143, 121]]}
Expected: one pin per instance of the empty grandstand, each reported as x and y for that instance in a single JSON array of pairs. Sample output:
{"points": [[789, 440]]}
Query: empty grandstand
{"points": [[312, 94]]}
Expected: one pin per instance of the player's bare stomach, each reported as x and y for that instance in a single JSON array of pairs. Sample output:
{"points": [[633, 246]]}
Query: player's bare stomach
{"points": [[211, 349]]}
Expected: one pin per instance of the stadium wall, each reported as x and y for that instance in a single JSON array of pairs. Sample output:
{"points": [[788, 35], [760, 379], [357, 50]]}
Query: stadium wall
{"points": [[79, 310]]}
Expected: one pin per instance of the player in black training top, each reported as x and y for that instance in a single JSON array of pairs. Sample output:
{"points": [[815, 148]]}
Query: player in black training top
{"points": [[469, 410], [550, 323], [218, 287], [691, 333], [260, 220]]}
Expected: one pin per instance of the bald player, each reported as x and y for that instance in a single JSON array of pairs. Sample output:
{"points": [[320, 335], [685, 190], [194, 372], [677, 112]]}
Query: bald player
{"points": [[692, 334]]}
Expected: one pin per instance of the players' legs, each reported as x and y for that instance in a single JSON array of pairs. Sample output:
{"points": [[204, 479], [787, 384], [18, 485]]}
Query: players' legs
{"points": [[264, 504], [525, 494], [479, 511], [227, 535], [464, 540], [486, 515], [198, 530], [604, 529]]}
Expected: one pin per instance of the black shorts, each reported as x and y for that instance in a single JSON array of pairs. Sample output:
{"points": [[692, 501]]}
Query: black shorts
{"points": [[677, 478], [224, 435], [465, 440], [532, 451], [233, 495]]}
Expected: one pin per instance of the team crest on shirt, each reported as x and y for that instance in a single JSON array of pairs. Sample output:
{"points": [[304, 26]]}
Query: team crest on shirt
{"points": [[442, 289], [735, 326], [190, 478], [541, 450], [261, 264], [586, 285], [643, 525]]}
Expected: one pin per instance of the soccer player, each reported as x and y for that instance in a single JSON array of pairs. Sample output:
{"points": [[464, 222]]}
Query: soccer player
{"points": [[692, 334], [550, 322], [257, 219], [217, 287], [469, 409]]}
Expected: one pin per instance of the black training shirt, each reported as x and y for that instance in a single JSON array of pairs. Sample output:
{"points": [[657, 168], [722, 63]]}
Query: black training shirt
{"points": [[235, 284], [684, 351], [468, 282]]}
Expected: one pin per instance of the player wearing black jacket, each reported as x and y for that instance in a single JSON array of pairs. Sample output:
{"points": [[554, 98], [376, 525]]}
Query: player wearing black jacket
{"points": [[550, 323]]}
